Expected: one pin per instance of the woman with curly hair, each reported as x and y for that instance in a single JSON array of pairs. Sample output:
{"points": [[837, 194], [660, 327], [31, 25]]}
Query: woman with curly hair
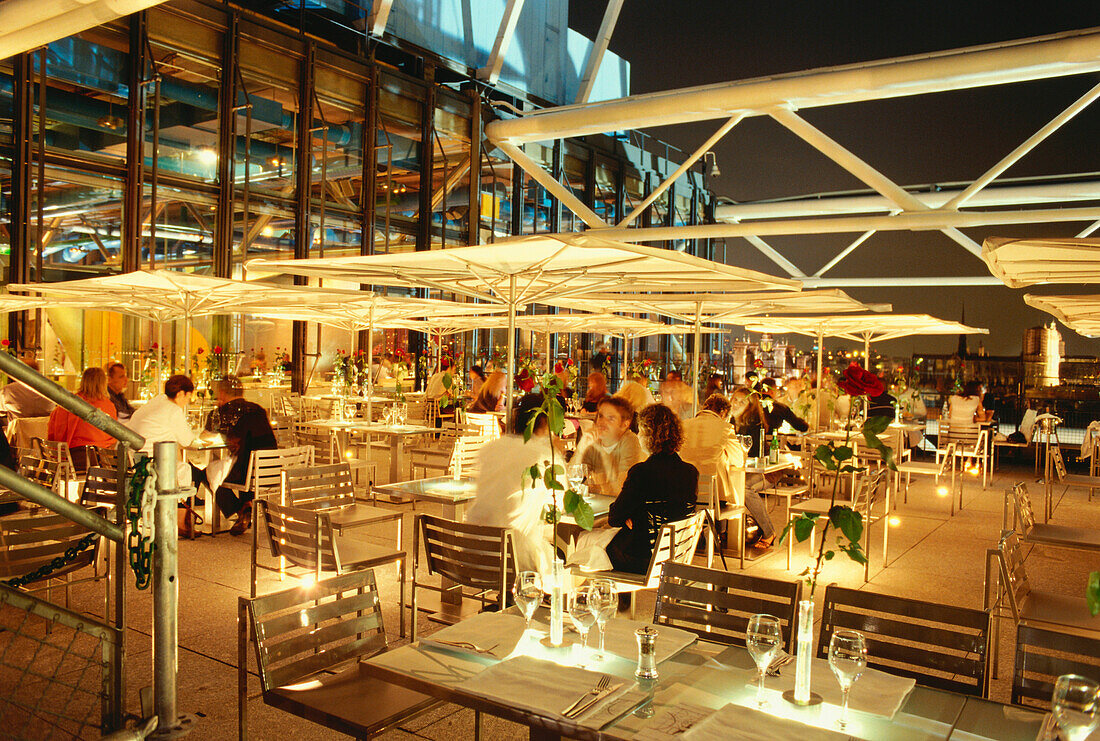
{"points": [[657, 491]]}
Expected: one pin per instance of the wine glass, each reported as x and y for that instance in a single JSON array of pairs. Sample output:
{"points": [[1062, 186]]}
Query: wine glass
{"points": [[580, 611], [576, 474], [603, 602], [763, 638], [847, 658], [1075, 705], [528, 593]]}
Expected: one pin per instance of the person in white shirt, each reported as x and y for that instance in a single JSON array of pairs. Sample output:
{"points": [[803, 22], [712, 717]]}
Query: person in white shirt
{"points": [[435, 388], [20, 400], [505, 499], [706, 435], [610, 448]]}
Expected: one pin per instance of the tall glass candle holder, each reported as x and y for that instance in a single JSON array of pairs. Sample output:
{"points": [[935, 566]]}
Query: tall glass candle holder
{"points": [[804, 655]]}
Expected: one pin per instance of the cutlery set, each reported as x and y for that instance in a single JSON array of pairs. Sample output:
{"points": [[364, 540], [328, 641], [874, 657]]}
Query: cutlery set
{"points": [[590, 698]]}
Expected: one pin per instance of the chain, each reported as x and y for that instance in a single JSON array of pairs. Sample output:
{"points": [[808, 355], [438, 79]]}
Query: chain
{"points": [[46, 569], [139, 512]]}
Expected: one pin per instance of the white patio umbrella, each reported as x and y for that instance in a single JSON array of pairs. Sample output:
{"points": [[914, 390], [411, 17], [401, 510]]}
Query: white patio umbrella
{"points": [[866, 327], [724, 308], [1028, 262], [1079, 313], [515, 272]]}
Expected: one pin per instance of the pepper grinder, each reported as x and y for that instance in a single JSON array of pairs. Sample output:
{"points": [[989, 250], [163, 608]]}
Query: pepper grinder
{"points": [[647, 652]]}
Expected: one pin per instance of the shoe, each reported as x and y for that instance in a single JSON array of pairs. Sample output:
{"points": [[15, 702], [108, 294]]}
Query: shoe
{"points": [[763, 545], [244, 520], [191, 520]]}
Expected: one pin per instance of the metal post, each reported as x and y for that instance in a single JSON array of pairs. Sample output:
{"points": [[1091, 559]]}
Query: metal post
{"points": [[695, 363], [510, 363], [121, 568], [166, 597], [820, 391]]}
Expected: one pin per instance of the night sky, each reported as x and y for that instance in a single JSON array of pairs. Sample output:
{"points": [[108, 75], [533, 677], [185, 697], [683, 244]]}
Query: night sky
{"points": [[942, 138]]}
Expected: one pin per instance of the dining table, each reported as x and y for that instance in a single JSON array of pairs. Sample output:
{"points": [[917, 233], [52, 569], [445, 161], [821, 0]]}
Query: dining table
{"points": [[703, 691], [398, 435]]}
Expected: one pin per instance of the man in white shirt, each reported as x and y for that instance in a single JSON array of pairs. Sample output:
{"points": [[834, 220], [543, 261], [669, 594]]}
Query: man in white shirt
{"points": [[610, 448], [706, 435], [20, 400]]}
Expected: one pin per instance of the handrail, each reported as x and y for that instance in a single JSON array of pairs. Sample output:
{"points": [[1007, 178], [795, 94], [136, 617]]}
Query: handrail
{"points": [[70, 401]]}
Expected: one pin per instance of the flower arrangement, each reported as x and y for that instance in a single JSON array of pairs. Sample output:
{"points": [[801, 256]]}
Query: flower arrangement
{"points": [[341, 366], [646, 368], [281, 361], [860, 384], [528, 374], [568, 369], [402, 363]]}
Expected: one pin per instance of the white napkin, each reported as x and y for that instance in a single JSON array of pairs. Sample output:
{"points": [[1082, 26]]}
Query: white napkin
{"points": [[739, 723], [875, 692], [619, 638], [500, 632], [540, 686]]}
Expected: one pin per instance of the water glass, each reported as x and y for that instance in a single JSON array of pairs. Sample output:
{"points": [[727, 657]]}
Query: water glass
{"points": [[848, 659], [528, 593], [580, 612], [763, 638], [1075, 706], [603, 602]]}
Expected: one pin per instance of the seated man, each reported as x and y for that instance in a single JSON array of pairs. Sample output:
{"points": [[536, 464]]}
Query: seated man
{"points": [[610, 448], [676, 395], [706, 435], [777, 412], [117, 381], [245, 427]]}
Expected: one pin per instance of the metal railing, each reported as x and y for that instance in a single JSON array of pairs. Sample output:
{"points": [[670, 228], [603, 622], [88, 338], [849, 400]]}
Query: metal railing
{"points": [[165, 580]]}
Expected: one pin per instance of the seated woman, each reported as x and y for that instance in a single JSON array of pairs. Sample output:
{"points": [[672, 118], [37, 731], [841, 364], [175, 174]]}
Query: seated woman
{"points": [[657, 491], [965, 408], [597, 391], [66, 427], [749, 419], [491, 396]]}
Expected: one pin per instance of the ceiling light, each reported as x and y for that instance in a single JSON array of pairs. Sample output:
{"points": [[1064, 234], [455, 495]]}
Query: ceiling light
{"points": [[206, 155]]}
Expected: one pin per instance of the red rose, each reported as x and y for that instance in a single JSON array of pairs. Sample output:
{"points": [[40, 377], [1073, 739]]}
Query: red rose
{"points": [[524, 381], [217, 349], [558, 368], [859, 382], [201, 351], [155, 346], [5, 343]]}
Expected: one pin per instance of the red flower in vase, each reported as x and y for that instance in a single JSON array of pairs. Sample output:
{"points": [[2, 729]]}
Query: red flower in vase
{"points": [[859, 382], [217, 349], [525, 381]]}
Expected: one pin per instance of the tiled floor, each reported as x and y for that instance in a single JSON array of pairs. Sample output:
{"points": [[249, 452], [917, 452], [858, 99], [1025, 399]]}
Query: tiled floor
{"points": [[933, 556]]}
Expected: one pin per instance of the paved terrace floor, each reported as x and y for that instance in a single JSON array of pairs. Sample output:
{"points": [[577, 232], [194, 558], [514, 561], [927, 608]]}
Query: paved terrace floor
{"points": [[933, 556]]}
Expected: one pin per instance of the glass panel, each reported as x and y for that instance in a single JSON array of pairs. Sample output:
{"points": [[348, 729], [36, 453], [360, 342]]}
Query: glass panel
{"points": [[82, 217], [399, 158], [604, 200], [184, 229]]}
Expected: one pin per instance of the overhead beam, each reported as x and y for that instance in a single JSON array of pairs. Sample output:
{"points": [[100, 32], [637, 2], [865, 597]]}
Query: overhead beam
{"points": [[490, 73], [773, 254], [556, 189], [844, 253], [902, 282], [379, 17], [29, 24], [598, 50], [1058, 55]]}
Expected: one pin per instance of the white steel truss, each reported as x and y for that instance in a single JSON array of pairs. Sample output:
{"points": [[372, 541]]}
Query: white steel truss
{"points": [[895, 207]]}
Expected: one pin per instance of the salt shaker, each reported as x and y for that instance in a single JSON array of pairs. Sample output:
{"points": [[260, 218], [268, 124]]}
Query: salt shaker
{"points": [[647, 652]]}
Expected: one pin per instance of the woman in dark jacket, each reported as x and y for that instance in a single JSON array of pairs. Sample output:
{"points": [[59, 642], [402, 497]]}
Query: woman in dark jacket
{"points": [[657, 491]]}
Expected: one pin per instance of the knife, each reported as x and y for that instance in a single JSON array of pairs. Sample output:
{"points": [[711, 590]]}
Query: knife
{"points": [[587, 705]]}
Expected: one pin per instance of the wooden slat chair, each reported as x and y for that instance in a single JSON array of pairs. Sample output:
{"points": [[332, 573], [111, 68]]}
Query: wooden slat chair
{"points": [[310, 643], [330, 448], [58, 452], [475, 562], [1088, 481], [717, 605], [309, 543], [283, 427], [1059, 536], [1027, 428], [864, 503], [484, 424], [1044, 655], [100, 488], [676, 543], [39, 470], [462, 461], [940, 646], [331, 489], [103, 458], [30, 541], [264, 477], [434, 455], [971, 445], [937, 470]]}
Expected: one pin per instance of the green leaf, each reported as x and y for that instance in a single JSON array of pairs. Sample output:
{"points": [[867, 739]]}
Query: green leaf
{"points": [[804, 527], [848, 521], [786, 531], [556, 416], [829, 555], [551, 480], [447, 381], [529, 428], [876, 425], [824, 454], [584, 515], [855, 553], [843, 453], [1092, 593]]}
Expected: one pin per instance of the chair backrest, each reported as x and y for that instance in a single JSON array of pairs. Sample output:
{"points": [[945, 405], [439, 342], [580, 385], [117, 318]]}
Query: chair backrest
{"points": [[965, 434], [325, 448], [1044, 655], [39, 470], [100, 487], [102, 457], [870, 484], [57, 452], [676, 543], [318, 487], [717, 605], [303, 537], [486, 424], [283, 427], [1027, 424], [288, 404], [1024, 510], [730, 473], [939, 645], [1059, 462], [465, 453], [28, 542], [948, 458], [1013, 574], [265, 469], [302, 631], [475, 556]]}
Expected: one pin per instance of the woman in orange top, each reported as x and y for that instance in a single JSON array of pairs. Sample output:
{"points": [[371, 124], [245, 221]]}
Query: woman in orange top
{"points": [[66, 427]]}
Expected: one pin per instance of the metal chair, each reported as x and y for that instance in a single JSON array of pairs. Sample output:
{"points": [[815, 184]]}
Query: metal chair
{"points": [[100, 488], [1044, 655], [330, 489], [940, 646], [971, 444], [717, 605], [309, 645], [676, 543], [1068, 479], [473, 562], [1058, 536], [937, 469], [264, 476]]}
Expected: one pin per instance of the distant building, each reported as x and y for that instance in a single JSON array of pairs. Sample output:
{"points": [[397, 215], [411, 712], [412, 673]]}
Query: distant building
{"points": [[1042, 356]]}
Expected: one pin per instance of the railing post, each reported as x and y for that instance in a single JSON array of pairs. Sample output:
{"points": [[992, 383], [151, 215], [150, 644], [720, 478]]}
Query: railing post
{"points": [[121, 566], [166, 597]]}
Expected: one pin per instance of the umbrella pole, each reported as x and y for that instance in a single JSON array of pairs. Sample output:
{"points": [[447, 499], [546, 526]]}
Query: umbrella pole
{"points": [[695, 363], [511, 359], [187, 338], [820, 391], [370, 363], [160, 349], [549, 365], [867, 351], [626, 354]]}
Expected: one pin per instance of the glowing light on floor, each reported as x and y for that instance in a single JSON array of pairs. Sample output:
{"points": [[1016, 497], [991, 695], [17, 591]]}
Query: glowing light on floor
{"points": [[942, 491], [895, 521]]}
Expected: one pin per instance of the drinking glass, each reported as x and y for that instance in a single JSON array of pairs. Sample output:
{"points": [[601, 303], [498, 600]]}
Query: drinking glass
{"points": [[576, 474], [763, 638], [848, 659], [1075, 705], [528, 592], [602, 601], [580, 611]]}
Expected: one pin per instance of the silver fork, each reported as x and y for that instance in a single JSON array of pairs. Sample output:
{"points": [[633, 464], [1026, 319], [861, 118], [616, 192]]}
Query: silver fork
{"points": [[601, 685], [469, 646]]}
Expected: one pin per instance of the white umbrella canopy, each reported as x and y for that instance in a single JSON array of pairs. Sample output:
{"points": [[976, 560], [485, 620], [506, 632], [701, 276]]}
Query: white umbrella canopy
{"points": [[537, 268], [1028, 262], [1079, 313]]}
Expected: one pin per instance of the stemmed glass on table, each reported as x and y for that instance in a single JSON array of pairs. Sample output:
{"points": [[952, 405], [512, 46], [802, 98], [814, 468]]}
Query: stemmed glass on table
{"points": [[602, 602], [528, 593], [1075, 704], [580, 611], [848, 659], [763, 638]]}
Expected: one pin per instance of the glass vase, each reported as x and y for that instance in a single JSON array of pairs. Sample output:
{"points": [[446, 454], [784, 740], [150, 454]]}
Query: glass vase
{"points": [[804, 656]]}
